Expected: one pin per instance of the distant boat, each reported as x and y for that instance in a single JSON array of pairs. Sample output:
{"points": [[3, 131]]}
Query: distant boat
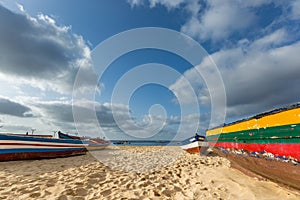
{"points": [[195, 144], [122, 142], [91, 144], [267, 144], [21, 147]]}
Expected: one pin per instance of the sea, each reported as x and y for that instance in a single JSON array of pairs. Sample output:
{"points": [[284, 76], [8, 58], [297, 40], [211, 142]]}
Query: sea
{"points": [[145, 143]]}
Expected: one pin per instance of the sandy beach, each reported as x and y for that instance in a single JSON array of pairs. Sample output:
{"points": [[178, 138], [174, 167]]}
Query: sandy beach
{"points": [[134, 173]]}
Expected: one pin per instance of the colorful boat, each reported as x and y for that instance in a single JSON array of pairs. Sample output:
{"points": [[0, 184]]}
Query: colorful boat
{"points": [[21, 147], [267, 144], [195, 144]]}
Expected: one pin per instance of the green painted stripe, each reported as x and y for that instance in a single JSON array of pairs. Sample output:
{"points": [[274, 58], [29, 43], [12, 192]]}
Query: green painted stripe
{"points": [[260, 141], [278, 134]]}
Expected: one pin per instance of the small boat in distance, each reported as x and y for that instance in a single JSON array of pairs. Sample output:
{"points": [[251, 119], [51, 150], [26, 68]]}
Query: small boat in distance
{"points": [[196, 144], [22, 147], [267, 144], [121, 142]]}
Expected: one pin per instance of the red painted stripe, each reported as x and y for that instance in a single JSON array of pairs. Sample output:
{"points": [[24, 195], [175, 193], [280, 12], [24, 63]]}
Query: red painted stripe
{"points": [[277, 149], [32, 135], [43, 145], [193, 150], [202, 150], [38, 155]]}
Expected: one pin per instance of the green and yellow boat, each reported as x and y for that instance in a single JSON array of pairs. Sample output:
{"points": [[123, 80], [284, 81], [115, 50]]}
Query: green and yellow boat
{"points": [[267, 144]]}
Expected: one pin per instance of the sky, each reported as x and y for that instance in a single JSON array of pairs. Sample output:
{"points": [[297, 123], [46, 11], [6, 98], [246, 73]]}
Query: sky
{"points": [[160, 85]]}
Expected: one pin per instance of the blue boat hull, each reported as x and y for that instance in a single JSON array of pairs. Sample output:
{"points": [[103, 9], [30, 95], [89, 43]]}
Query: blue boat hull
{"points": [[20, 147]]}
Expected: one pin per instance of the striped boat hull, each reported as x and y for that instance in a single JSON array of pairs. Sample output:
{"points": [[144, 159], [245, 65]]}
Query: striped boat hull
{"points": [[267, 144], [199, 147], [277, 149], [17, 147]]}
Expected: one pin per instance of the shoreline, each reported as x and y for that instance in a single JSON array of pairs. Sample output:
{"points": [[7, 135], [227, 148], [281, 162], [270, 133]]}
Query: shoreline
{"points": [[83, 177]]}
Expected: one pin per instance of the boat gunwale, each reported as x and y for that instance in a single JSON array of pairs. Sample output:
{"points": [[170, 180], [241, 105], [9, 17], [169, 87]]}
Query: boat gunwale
{"points": [[260, 115]]}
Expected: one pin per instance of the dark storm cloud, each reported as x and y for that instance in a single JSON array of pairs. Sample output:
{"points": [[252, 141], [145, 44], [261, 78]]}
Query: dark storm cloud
{"points": [[8, 107], [38, 49]]}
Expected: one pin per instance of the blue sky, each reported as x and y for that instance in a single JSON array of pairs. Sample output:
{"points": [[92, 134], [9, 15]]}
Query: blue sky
{"points": [[254, 45], [98, 20]]}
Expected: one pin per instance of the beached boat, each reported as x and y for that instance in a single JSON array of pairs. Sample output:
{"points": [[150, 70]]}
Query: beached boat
{"points": [[91, 144], [96, 144], [267, 144], [195, 144], [20, 147]]}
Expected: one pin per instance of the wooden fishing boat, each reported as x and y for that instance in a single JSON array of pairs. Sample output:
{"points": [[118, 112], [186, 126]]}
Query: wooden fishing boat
{"points": [[195, 144], [267, 144], [95, 144], [92, 144], [21, 147]]}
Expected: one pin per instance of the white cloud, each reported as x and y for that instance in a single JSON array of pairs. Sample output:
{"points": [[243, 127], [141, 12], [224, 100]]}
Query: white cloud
{"points": [[260, 75], [277, 38], [38, 52], [193, 7], [167, 3], [135, 2], [93, 118], [21, 8], [255, 3], [219, 20], [59, 115], [295, 9], [213, 19]]}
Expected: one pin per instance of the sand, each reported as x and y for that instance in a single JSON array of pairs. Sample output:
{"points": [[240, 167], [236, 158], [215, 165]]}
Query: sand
{"points": [[134, 173]]}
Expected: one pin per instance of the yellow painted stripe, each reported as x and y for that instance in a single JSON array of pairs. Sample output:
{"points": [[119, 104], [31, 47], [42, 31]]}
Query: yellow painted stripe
{"points": [[286, 117]]}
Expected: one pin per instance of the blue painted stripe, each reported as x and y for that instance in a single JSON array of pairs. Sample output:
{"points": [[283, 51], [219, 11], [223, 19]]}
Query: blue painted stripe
{"points": [[38, 139], [6, 151]]}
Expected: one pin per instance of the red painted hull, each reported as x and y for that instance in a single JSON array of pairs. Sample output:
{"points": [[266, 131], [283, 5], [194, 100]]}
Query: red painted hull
{"points": [[193, 150], [39, 155], [202, 150], [285, 173], [35, 145], [267, 144], [278, 149]]}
